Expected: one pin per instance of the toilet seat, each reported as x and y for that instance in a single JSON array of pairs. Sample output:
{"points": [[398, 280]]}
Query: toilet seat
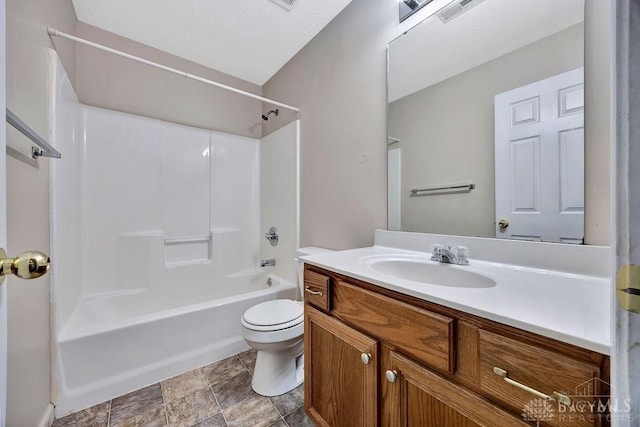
{"points": [[273, 315]]}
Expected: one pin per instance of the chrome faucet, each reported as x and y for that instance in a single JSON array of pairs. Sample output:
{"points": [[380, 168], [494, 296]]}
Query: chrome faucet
{"points": [[446, 255], [268, 262]]}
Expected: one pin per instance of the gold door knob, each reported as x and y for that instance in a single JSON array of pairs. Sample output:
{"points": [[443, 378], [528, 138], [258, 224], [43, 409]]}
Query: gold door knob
{"points": [[503, 223], [28, 265]]}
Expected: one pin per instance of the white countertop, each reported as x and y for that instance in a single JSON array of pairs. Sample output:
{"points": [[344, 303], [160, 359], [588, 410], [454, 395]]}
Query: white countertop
{"points": [[567, 307]]}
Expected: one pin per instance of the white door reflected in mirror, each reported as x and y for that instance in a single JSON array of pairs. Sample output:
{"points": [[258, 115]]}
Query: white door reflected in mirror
{"points": [[539, 168]]}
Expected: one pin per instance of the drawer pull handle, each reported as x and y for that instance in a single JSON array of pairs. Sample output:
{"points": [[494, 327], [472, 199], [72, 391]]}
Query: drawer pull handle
{"points": [[312, 292], [366, 358], [558, 397], [392, 376]]}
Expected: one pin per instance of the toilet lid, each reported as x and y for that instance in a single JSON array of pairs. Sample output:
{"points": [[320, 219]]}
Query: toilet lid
{"points": [[273, 313]]}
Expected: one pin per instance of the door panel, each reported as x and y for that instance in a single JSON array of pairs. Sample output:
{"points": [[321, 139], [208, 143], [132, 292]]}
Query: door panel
{"points": [[424, 409], [420, 397], [572, 170], [340, 389], [525, 170]]}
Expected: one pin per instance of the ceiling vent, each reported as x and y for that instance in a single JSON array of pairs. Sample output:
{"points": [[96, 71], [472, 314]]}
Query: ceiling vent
{"points": [[287, 4], [456, 8]]}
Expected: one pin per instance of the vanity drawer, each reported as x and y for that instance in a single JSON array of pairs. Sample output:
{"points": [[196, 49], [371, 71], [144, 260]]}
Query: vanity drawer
{"points": [[317, 289], [542, 370], [426, 336]]}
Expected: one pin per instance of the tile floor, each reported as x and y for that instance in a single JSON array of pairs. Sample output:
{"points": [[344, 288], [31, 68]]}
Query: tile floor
{"points": [[215, 395]]}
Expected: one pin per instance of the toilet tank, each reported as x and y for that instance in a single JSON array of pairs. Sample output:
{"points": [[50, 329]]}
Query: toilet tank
{"points": [[310, 250]]}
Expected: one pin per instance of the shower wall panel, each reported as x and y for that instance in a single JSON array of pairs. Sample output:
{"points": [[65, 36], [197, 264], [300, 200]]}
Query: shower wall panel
{"points": [[65, 201], [185, 181], [155, 192], [235, 201], [185, 187], [279, 195], [122, 194]]}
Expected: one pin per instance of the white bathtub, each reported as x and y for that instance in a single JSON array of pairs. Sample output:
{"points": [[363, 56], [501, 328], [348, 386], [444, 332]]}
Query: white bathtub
{"points": [[118, 342]]}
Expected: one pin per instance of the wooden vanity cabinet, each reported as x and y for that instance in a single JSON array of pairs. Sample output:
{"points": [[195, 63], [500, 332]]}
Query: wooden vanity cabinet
{"points": [[374, 357]]}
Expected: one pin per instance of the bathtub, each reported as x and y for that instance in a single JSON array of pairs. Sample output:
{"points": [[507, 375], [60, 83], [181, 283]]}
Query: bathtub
{"points": [[118, 342]]}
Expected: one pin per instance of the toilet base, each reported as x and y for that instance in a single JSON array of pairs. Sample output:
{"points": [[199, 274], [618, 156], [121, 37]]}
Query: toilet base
{"points": [[279, 372]]}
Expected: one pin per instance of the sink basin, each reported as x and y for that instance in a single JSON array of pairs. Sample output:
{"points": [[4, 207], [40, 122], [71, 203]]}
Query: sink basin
{"points": [[433, 273]]}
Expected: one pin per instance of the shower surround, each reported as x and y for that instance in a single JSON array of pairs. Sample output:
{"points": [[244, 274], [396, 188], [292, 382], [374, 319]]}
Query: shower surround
{"points": [[157, 235]]}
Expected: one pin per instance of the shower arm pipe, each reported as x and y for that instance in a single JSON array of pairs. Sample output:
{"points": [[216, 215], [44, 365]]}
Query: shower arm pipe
{"points": [[56, 33]]}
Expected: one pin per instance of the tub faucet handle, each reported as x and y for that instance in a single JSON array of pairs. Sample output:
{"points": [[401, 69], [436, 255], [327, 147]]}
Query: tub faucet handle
{"points": [[272, 236]]}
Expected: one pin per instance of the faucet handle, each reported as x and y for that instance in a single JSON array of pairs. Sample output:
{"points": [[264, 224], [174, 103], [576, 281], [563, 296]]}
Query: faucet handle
{"points": [[462, 252], [435, 252]]}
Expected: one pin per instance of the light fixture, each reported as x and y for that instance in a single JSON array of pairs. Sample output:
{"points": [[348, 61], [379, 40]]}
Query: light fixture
{"points": [[409, 7]]}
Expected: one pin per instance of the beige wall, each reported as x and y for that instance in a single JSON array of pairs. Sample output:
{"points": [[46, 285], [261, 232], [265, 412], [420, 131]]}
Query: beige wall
{"points": [[28, 200], [446, 133], [339, 82], [109, 81]]}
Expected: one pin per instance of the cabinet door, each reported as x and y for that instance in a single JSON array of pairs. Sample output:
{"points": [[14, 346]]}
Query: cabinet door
{"points": [[414, 396], [340, 377]]}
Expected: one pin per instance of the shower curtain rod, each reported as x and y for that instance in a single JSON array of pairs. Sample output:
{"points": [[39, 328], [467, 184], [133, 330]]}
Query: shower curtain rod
{"points": [[54, 32]]}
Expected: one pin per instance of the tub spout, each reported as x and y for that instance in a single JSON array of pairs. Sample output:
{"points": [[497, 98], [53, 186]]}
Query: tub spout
{"points": [[268, 263]]}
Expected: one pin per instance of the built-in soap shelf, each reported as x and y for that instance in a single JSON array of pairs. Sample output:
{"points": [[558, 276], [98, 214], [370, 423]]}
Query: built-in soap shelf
{"points": [[185, 240], [189, 250], [177, 251]]}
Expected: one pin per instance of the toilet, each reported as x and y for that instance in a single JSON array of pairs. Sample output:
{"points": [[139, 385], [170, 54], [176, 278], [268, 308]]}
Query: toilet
{"points": [[274, 329]]}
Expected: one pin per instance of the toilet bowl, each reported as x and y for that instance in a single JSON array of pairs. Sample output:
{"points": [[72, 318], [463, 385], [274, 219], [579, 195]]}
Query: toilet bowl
{"points": [[275, 329]]}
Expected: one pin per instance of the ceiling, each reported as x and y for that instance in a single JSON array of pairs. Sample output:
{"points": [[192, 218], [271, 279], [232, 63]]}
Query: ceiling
{"points": [[248, 39], [434, 51]]}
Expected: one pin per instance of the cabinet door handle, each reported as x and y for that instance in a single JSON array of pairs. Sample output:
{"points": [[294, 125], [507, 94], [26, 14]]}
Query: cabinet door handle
{"points": [[392, 376], [366, 358], [312, 292], [558, 397]]}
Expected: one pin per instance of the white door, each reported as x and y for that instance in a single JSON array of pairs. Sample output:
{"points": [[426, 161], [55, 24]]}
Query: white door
{"points": [[539, 160], [3, 221]]}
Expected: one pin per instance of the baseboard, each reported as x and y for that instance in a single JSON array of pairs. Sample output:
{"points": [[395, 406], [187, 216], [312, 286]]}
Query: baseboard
{"points": [[47, 417]]}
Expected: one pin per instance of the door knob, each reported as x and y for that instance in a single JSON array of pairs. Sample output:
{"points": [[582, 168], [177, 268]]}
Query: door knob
{"points": [[28, 265], [366, 358], [503, 223], [392, 376]]}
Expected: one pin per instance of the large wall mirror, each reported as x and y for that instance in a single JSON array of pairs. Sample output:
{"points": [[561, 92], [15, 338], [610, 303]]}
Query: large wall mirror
{"points": [[486, 121]]}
